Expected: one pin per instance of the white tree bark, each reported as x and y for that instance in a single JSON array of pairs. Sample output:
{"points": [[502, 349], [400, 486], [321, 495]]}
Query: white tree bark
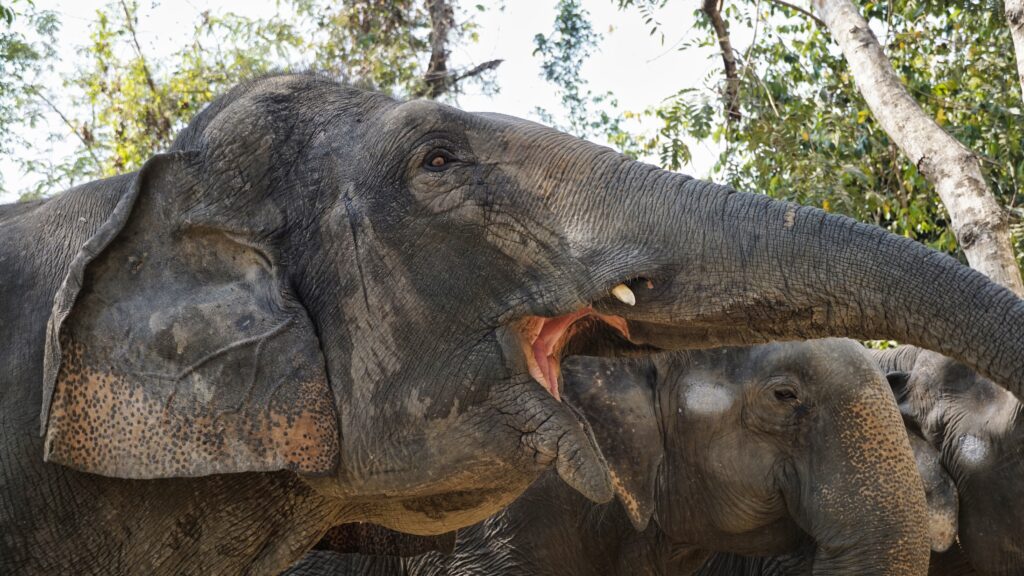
{"points": [[978, 221], [1014, 10]]}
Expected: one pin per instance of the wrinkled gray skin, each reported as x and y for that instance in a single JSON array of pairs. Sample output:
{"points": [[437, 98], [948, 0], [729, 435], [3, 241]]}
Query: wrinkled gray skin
{"points": [[309, 312], [940, 493], [976, 427], [757, 450]]}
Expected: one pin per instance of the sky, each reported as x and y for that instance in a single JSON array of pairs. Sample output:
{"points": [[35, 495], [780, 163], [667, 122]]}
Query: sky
{"points": [[640, 69]]}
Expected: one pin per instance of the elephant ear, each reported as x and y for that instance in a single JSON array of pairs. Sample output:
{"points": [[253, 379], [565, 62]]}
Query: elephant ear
{"points": [[940, 492], [616, 398], [174, 348]]}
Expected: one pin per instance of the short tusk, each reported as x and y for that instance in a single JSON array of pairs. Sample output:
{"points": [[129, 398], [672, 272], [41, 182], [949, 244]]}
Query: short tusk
{"points": [[623, 294]]}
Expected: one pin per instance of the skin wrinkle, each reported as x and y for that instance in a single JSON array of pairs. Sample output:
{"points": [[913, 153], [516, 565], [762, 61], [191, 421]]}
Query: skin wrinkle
{"points": [[229, 169]]}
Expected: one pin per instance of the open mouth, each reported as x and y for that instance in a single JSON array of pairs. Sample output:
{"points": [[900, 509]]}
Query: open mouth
{"points": [[546, 340]]}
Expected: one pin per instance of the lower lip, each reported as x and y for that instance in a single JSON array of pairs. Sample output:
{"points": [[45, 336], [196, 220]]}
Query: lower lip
{"points": [[547, 339]]}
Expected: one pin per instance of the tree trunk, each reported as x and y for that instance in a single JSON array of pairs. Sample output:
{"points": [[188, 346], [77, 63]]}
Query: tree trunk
{"points": [[713, 10], [442, 18], [1014, 10], [977, 219]]}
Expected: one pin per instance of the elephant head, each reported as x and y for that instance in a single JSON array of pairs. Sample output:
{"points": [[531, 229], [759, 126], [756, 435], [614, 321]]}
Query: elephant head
{"points": [[943, 505], [759, 450], [975, 425], [377, 295]]}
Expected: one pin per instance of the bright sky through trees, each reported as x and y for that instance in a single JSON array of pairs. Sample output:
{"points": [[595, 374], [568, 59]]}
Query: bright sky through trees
{"points": [[636, 66]]}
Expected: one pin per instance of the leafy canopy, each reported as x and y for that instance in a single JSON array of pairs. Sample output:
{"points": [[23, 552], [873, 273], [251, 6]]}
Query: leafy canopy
{"points": [[123, 104], [806, 135]]}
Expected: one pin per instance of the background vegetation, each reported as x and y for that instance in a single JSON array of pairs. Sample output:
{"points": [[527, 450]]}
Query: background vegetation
{"points": [[788, 118]]}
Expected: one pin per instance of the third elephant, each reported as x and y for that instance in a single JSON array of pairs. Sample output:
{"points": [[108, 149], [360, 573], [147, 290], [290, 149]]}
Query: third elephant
{"points": [[976, 427]]}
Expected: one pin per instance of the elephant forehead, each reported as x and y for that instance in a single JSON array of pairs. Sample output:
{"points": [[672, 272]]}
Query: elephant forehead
{"points": [[974, 450], [704, 395]]}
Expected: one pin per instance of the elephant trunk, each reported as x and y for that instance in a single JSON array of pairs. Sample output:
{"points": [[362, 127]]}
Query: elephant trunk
{"points": [[898, 359], [859, 496], [712, 266]]}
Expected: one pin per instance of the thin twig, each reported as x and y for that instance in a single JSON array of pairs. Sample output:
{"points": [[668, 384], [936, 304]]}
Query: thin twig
{"points": [[162, 123], [477, 70], [767, 92], [753, 42], [138, 48], [71, 126], [785, 4]]}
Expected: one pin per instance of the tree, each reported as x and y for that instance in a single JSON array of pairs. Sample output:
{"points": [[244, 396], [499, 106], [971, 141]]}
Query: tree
{"points": [[807, 134], [134, 104], [563, 52], [23, 57], [1014, 10], [954, 171]]}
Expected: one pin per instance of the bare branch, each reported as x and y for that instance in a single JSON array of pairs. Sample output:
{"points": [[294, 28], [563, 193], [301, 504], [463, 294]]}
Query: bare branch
{"points": [[438, 78], [476, 70], [978, 221], [712, 10], [796, 8], [442, 19], [71, 126]]}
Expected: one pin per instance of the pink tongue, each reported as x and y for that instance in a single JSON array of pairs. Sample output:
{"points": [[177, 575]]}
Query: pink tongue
{"points": [[544, 346]]}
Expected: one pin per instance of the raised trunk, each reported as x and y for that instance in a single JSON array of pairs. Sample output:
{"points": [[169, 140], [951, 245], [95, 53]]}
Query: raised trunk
{"points": [[976, 217], [730, 268]]}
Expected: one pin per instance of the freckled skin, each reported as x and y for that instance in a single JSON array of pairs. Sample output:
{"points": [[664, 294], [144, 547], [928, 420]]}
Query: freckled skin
{"points": [[291, 320], [805, 452]]}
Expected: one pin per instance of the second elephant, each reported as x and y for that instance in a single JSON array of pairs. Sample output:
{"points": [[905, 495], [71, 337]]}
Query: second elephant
{"points": [[760, 450]]}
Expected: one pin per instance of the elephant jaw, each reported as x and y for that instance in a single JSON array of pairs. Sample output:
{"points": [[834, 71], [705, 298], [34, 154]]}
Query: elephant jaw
{"points": [[543, 340]]}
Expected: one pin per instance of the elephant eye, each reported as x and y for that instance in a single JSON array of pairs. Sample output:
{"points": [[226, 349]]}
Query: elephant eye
{"points": [[783, 389], [785, 394], [438, 161]]}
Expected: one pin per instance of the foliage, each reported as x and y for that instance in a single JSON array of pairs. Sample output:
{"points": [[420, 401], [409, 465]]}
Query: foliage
{"points": [[563, 53], [123, 105], [807, 135], [378, 43], [23, 57], [135, 104]]}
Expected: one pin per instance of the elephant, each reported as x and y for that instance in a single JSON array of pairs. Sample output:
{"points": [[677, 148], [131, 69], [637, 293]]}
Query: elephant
{"points": [[967, 429], [947, 559], [765, 449], [975, 425], [323, 305]]}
